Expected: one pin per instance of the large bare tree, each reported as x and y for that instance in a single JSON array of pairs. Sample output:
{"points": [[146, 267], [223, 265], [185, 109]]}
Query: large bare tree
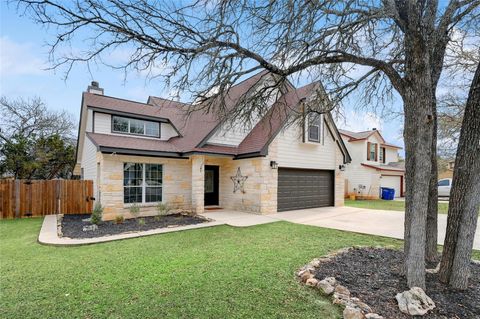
{"points": [[464, 196], [204, 47]]}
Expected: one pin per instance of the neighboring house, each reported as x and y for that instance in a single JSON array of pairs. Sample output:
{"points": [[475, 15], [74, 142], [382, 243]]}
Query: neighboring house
{"points": [[153, 152], [451, 165], [375, 164], [445, 168]]}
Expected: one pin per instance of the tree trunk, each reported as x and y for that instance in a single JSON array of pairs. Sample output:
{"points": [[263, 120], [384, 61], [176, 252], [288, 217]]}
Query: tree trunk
{"points": [[464, 196], [431, 253], [418, 130]]}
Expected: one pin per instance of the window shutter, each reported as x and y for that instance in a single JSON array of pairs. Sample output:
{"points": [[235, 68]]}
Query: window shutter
{"points": [[368, 151], [304, 125], [376, 152], [384, 153]]}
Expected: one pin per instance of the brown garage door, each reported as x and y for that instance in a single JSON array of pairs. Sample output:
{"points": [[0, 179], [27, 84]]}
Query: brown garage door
{"points": [[304, 188]]}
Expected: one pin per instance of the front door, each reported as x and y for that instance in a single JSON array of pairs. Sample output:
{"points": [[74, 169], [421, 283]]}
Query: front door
{"points": [[211, 185]]}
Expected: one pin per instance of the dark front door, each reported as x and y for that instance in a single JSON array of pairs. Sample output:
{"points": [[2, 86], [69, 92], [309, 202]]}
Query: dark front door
{"points": [[304, 188], [211, 185]]}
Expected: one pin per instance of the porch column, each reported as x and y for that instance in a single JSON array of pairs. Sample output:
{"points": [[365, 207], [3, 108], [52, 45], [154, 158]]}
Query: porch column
{"points": [[198, 183]]}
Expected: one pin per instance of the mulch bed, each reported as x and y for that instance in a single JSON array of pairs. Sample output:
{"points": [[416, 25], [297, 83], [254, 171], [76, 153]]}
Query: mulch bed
{"points": [[373, 276], [72, 225]]}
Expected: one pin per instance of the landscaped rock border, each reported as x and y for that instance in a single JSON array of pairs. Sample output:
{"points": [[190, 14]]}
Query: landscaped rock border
{"points": [[354, 307]]}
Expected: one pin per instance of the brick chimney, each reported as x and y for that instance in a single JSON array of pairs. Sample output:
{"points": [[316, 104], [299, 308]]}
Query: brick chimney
{"points": [[95, 88]]}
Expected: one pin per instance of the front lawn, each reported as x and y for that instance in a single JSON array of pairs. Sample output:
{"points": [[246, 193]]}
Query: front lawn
{"points": [[218, 272], [388, 205]]}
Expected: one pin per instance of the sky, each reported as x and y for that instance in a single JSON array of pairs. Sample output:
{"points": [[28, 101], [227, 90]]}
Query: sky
{"points": [[24, 73]]}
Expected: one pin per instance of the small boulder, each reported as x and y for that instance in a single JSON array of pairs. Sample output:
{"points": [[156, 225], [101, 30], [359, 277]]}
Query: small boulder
{"points": [[373, 316], [414, 302], [315, 263], [342, 290], [352, 313], [339, 299], [305, 276], [357, 302], [434, 270], [90, 228], [312, 282], [327, 285]]}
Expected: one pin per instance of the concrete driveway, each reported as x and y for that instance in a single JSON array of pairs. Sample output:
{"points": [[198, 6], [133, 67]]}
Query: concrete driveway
{"points": [[367, 221]]}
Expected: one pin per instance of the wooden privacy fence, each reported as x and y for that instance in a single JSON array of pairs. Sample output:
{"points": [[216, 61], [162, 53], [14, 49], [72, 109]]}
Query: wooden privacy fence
{"points": [[22, 198]]}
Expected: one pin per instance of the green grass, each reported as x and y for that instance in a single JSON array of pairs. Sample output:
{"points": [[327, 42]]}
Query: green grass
{"points": [[388, 205], [218, 272]]}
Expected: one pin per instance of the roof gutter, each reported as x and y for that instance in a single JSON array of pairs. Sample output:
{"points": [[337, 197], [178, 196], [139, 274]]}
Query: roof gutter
{"points": [[134, 152]]}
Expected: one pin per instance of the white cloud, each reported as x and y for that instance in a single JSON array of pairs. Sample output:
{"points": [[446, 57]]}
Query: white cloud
{"points": [[19, 59], [360, 121]]}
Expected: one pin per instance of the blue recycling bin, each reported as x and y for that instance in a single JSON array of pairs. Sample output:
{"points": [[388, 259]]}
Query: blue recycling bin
{"points": [[388, 193]]}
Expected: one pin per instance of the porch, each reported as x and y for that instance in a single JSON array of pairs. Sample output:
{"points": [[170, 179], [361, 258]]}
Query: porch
{"points": [[247, 185]]}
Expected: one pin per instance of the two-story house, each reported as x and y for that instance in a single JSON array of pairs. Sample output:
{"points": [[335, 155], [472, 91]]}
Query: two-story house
{"points": [[154, 152], [374, 164]]}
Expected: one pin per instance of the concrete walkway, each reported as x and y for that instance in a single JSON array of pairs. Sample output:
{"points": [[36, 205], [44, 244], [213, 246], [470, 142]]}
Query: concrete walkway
{"points": [[48, 233], [367, 221]]}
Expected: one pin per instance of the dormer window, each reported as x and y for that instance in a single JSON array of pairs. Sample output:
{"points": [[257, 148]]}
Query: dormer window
{"points": [[127, 125], [314, 127]]}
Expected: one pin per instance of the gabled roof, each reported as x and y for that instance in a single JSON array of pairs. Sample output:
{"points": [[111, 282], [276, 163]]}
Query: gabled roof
{"points": [[195, 127], [357, 136], [121, 106], [397, 167], [360, 136]]}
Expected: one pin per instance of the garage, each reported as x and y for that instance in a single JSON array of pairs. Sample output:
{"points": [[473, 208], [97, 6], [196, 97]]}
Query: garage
{"points": [[392, 181], [304, 188]]}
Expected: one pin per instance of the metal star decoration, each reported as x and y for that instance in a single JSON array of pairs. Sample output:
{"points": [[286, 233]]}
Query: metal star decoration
{"points": [[238, 181]]}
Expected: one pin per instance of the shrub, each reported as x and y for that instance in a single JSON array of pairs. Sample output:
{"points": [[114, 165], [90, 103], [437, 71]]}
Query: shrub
{"points": [[162, 210], [96, 217], [134, 210], [119, 219], [141, 221]]}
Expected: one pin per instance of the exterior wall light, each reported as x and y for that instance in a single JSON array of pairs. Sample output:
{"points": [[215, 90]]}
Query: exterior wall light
{"points": [[273, 164], [341, 167]]}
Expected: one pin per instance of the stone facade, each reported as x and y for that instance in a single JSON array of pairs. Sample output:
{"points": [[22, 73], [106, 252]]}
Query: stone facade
{"points": [[183, 183], [339, 180], [258, 191], [177, 184]]}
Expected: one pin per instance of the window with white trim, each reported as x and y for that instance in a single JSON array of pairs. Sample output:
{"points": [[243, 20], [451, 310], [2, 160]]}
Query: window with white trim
{"points": [[127, 125], [142, 183], [314, 127]]}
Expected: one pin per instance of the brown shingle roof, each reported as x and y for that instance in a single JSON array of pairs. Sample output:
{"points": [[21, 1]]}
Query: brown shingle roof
{"points": [[121, 105], [388, 167], [196, 126], [357, 135], [131, 143], [194, 123]]}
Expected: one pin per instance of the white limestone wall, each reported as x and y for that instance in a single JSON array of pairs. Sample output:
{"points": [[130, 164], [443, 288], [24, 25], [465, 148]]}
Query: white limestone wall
{"points": [[177, 184]]}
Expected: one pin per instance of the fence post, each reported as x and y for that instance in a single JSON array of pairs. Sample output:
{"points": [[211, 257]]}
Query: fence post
{"points": [[58, 196], [17, 198]]}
